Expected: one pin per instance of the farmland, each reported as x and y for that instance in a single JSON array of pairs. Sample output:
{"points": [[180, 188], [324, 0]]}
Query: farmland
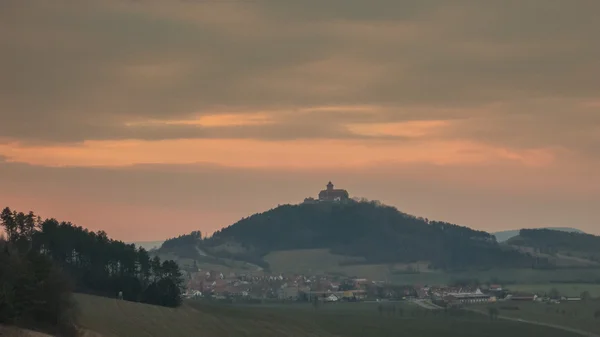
{"points": [[564, 289], [577, 315], [113, 318]]}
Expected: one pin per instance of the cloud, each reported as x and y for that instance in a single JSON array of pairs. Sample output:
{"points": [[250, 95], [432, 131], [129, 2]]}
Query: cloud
{"points": [[137, 201], [83, 71]]}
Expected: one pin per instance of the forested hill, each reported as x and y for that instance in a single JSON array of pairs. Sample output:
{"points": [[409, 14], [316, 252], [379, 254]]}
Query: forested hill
{"points": [[378, 233], [504, 236], [556, 241]]}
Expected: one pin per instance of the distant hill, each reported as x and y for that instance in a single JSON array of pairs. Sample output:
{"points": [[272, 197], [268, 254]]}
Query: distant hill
{"points": [[506, 235], [148, 245], [554, 241], [367, 231]]}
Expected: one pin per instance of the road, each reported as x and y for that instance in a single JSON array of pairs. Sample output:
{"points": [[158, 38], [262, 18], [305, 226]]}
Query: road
{"points": [[426, 304]]}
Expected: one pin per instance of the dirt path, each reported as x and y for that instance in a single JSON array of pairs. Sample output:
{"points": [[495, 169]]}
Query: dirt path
{"points": [[427, 305]]}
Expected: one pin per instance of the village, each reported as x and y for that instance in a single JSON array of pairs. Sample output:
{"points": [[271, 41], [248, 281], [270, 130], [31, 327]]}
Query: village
{"points": [[307, 288]]}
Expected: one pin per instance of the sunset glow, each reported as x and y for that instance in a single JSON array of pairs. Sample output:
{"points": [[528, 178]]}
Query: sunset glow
{"points": [[212, 111]]}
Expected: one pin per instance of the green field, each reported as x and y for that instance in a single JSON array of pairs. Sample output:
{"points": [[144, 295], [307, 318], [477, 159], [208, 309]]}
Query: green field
{"points": [[113, 318], [321, 261], [568, 289], [504, 276], [577, 315]]}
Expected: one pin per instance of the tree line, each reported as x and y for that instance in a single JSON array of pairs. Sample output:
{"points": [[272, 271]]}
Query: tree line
{"points": [[93, 262], [547, 240], [34, 292]]}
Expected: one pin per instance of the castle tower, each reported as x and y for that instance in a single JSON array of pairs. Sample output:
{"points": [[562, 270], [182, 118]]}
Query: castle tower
{"points": [[331, 194]]}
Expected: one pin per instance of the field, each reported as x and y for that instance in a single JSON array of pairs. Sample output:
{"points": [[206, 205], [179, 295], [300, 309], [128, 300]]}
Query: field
{"points": [[113, 318], [321, 261], [221, 265], [569, 289], [505, 276], [577, 315]]}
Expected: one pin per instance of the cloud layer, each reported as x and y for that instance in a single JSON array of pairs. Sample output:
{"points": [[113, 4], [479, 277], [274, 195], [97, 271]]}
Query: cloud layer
{"points": [[282, 85], [82, 70]]}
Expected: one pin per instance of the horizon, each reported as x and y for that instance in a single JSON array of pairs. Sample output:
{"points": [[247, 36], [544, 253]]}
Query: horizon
{"points": [[209, 234], [153, 119]]}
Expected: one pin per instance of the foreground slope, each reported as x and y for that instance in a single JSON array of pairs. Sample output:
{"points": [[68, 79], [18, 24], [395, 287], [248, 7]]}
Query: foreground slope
{"points": [[114, 318], [367, 231]]}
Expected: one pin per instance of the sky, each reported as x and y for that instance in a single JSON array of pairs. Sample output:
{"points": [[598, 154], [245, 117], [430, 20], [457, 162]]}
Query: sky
{"points": [[150, 119]]}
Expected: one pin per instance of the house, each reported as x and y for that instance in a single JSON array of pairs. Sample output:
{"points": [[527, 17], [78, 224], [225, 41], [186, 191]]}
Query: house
{"points": [[287, 293], [354, 294], [521, 297], [331, 298], [495, 287], [468, 297]]}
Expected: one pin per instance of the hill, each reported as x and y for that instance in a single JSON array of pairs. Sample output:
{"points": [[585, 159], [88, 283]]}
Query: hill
{"points": [[504, 236], [580, 246], [115, 318], [364, 232], [147, 245]]}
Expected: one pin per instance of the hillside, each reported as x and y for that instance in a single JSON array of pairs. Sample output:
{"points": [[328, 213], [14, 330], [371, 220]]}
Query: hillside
{"points": [[581, 246], [504, 236], [147, 245], [365, 232], [113, 318]]}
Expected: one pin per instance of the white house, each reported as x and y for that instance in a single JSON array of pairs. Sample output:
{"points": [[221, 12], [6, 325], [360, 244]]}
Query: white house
{"points": [[331, 298]]}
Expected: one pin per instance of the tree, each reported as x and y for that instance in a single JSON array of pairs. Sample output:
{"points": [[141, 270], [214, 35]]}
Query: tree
{"points": [[493, 312], [34, 292], [9, 223], [96, 263], [586, 296], [554, 293]]}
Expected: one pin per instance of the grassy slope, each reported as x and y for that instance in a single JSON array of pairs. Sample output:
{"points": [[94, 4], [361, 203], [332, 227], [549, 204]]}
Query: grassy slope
{"points": [[119, 318], [321, 261], [15, 332]]}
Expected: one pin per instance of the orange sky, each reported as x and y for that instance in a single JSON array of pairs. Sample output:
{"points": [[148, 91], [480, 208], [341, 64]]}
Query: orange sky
{"points": [[152, 119]]}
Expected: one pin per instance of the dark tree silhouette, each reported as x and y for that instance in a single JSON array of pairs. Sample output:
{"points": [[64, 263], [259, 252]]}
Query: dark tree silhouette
{"points": [[97, 264]]}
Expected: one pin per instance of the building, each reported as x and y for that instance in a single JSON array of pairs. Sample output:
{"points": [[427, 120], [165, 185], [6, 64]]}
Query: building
{"points": [[522, 297], [288, 293], [331, 194], [467, 297], [331, 298]]}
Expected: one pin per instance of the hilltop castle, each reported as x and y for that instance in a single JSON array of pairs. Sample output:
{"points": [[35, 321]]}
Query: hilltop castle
{"points": [[330, 194]]}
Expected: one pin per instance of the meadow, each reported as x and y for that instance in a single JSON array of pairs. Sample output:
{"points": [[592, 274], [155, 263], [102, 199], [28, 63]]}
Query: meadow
{"points": [[507, 276], [112, 318], [321, 261], [565, 289], [577, 315]]}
